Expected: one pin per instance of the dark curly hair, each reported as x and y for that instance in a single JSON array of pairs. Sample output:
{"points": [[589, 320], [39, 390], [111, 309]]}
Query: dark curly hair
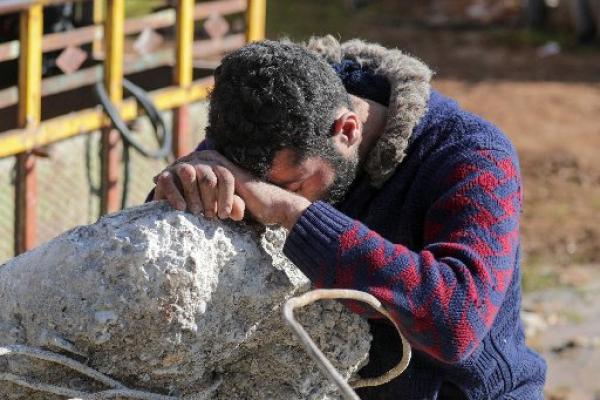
{"points": [[272, 95]]}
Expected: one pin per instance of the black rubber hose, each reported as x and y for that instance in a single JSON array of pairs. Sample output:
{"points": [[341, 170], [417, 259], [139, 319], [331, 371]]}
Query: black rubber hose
{"points": [[162, 131]]}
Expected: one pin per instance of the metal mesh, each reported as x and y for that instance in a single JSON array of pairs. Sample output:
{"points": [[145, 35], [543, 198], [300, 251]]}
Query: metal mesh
{"points": [[65, 198], [7, 208], [143, 169]]}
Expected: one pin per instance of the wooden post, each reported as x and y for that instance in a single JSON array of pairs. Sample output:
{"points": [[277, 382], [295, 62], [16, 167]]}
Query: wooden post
{"points": [[183, 74], [256, 17], [30, 88], [113, 80]]}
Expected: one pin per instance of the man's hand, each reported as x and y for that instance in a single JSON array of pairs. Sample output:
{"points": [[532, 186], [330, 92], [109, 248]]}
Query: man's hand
{"points": [[200, 184], [207, 182]]}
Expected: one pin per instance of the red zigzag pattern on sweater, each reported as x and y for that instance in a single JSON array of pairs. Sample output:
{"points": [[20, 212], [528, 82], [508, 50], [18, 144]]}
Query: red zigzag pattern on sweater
{"points": [[447, 295]]}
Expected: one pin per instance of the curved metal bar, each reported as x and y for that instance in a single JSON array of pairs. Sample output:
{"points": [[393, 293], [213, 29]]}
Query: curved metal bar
{"points": [[116, 388], [325, 365]]}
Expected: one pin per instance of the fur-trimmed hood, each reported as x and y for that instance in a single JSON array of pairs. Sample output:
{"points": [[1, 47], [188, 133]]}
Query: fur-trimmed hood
{"points": [[410, 89]]}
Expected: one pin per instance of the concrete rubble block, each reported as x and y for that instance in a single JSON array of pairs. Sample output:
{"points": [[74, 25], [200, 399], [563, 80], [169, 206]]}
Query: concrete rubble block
{"points": [[171, 303]]}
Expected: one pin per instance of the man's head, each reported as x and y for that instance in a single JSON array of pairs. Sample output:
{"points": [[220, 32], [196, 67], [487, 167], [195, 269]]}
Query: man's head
{"points": [[282, 113]]}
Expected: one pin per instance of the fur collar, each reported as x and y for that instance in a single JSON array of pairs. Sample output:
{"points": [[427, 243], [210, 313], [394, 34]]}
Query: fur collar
{"points": [[410, 88]]}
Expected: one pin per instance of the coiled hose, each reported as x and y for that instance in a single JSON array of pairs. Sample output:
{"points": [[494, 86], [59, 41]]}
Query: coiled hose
{"points": [[162, 131]]}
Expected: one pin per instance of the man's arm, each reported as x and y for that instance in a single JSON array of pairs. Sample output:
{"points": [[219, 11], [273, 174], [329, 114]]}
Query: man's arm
{"points": [[446, 296], [206, 182]]}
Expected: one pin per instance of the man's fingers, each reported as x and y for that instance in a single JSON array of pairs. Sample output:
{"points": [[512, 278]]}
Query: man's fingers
{"points": [[167, 188], [187, 177], [225, 189], [238, 208], [158, 193], [207, 182], [217, 158], [204, 181]]}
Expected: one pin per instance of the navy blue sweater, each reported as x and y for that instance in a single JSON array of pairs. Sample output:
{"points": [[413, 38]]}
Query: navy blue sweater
{"points": [[439, 245]]}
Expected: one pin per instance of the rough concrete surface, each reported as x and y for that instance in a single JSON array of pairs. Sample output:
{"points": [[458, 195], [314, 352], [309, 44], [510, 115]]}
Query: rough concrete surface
{"points": [[173, 303]]}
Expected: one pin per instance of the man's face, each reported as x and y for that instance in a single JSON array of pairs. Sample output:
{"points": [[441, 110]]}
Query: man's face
{"points": [[325, 177]]}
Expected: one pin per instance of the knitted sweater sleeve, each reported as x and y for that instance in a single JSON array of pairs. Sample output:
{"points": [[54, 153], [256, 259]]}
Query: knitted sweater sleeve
{"points": [[445, 295]]}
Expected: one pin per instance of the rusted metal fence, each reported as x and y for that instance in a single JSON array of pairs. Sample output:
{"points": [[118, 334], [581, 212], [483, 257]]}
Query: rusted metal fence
{"points": [[107, 45]]}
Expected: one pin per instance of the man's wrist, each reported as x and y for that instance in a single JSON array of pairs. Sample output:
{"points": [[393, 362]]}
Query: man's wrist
{"points": [[295, 210]]}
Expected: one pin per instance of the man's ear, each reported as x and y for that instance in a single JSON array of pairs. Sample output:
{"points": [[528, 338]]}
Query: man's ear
{"points": [[347, 131]]}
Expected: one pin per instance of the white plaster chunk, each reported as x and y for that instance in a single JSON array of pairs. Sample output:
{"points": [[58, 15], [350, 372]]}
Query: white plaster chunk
{"points": [[172, 303]]}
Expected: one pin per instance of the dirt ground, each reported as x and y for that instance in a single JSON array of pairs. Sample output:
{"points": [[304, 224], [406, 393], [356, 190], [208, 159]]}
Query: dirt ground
{"points": [[564, 325], [550, 108]]}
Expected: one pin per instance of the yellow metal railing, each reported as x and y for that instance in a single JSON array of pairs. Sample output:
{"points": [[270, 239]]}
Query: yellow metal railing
{"points": [[19, 140], [32, 132], [256, 20]]}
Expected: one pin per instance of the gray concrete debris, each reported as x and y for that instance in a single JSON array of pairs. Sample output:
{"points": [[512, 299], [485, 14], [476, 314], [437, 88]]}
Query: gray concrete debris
{"points": [[172, 303]]}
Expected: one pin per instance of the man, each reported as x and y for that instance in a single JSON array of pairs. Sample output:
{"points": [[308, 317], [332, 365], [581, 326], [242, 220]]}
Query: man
{"points": [[386, 187]]}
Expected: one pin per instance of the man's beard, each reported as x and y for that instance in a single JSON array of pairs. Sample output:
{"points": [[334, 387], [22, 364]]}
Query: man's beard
{"points": [[345, 171]]}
